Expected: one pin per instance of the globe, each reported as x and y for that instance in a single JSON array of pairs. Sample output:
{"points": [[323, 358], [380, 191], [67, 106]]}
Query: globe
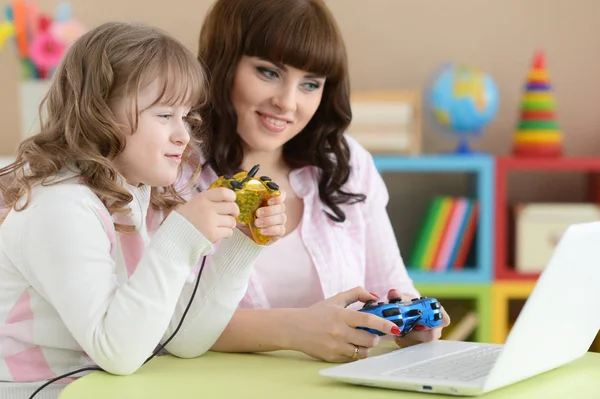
{"points": [[461, 100]]}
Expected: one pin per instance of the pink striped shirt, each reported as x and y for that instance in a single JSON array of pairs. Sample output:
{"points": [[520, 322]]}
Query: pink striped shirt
{"points": [[362, 251]]}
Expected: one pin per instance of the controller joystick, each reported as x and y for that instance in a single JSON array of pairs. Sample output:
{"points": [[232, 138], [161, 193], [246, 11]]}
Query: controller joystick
{"points": [[369, 304]]}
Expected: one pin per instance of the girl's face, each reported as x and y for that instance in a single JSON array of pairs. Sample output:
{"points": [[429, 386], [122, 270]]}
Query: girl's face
{"points": [[273, 102], [153, 152]]}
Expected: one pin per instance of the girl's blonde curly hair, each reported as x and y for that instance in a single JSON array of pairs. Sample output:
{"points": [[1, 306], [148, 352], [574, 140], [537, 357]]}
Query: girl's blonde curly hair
{"points": [[79, 131]]}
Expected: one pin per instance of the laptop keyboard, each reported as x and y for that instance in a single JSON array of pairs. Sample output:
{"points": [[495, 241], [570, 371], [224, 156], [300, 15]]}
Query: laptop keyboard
{"points": [[462, 366]]}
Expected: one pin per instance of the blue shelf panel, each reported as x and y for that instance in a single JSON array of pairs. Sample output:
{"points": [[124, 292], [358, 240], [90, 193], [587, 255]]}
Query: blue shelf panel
{"points": [[479, 275], [433, 163], [482, 166], [485, 228]]}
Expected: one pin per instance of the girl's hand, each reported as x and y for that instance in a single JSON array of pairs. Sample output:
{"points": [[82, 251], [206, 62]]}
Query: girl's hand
{"points": [[212, 212], [270, 219]]}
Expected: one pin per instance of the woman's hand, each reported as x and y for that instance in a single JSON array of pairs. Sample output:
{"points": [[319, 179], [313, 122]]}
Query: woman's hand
{"points": [[419, 333], [327, 330]]}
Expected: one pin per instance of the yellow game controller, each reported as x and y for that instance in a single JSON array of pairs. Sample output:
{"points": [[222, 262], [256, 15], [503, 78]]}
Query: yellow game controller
{"points": [[251, 194]]}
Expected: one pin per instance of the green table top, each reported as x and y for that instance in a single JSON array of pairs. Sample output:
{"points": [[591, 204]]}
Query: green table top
{"points": [[290, 375]]}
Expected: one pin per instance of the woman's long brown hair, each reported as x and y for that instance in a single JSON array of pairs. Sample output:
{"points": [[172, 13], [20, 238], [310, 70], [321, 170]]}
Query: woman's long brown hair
{"points": [[299, 33]]}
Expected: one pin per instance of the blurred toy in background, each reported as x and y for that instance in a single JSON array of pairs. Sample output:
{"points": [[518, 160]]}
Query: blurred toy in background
{"points": [[461, 100], [537, 133], [6, 30], [40, 40]]}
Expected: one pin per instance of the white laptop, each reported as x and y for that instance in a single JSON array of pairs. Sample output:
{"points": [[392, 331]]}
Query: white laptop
{"points": [[564, 305]]}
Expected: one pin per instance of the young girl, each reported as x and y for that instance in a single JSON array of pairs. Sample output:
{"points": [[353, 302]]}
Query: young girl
{"points": [[283, 99], [88, 276]]}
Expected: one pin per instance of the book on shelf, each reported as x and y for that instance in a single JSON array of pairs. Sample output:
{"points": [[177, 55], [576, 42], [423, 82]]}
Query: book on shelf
{"points": [[446, 235]]}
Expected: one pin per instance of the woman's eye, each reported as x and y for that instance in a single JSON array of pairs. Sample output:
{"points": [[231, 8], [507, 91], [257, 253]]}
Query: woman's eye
{"points": [[166, 116], [267, 73], [311, 86]]}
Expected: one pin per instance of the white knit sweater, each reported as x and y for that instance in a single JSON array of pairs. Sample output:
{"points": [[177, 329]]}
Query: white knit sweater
{"points": [[75, 293]]}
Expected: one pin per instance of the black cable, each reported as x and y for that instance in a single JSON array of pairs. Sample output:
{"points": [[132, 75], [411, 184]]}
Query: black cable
{"points": [[187, 308], [156, 351], [413, 325]]}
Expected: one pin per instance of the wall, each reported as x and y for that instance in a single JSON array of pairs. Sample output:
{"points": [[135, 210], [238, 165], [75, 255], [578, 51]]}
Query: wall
{"points": [[397, 43]]}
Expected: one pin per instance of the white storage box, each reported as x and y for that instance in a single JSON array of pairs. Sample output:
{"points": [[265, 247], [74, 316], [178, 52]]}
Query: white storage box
{"points": [[539, 226]]}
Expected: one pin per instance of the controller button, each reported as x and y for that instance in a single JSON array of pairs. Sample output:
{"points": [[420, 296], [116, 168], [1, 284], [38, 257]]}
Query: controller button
{"points": [[414, 312], [228, 177], [437, 316], [272, 185], [395, 300], [398, 322], [265, 178], [414, 299], [435, 305], [236, 185], [423, 297], [369, 304], [390, 312]]}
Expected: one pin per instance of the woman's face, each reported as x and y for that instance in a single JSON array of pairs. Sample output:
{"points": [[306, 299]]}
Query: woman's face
{"points": [[273, 102]]}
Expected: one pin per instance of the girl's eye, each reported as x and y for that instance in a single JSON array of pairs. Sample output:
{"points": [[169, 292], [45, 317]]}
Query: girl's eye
{"points": [[267, 73], [166, 116]]}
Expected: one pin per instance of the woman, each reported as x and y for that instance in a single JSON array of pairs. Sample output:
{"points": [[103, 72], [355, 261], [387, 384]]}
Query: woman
{"points": [[280, 98]]}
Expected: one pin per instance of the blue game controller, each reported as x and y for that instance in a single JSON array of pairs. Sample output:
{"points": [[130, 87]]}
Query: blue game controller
{"points": [[406, 315]]}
